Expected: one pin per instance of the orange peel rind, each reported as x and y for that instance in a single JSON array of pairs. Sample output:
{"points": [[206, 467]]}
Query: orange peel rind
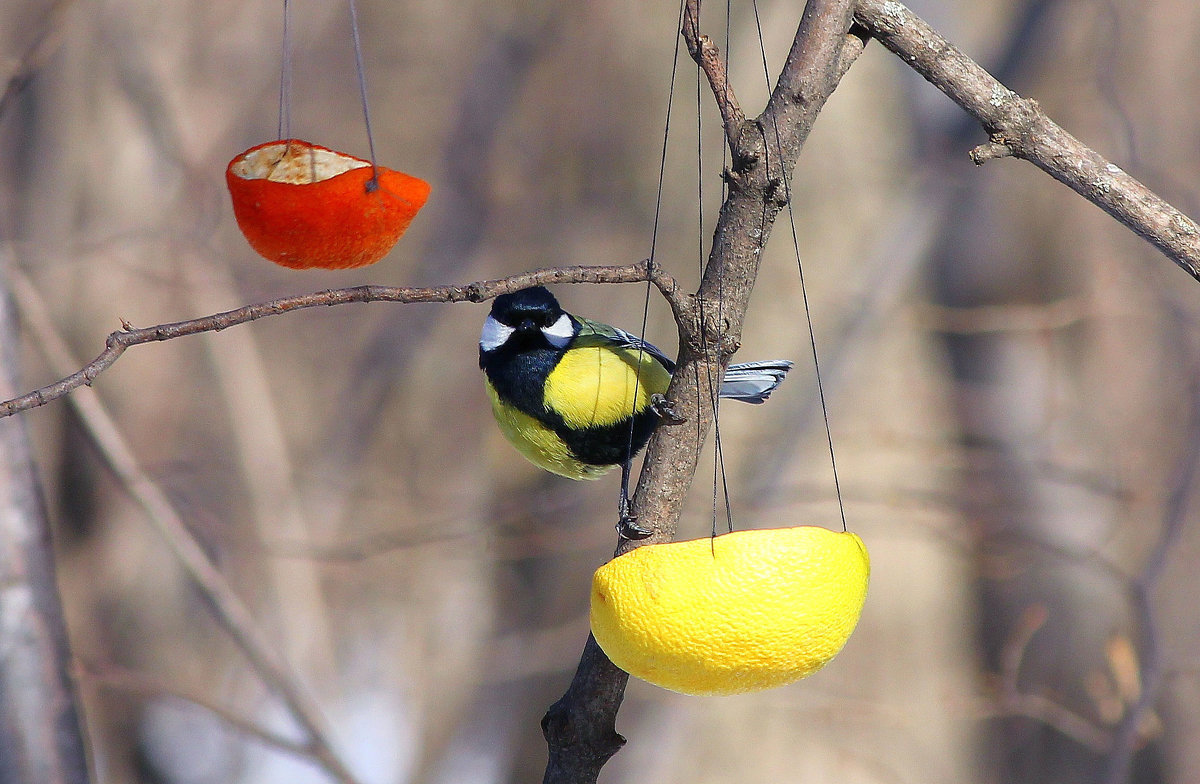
{"points": [[302, 205]]}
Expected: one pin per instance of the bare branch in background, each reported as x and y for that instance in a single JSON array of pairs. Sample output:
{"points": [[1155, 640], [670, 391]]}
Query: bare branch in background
{"points": [[230, 611], [1019, 125], [116, 678], [1011, 700], [1128, 735], [41, 737], [473, 292], [45, 43]]}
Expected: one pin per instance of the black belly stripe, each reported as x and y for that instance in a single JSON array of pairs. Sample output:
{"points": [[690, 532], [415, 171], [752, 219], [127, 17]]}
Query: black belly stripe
{"points": [[611, 443], [520, 376]]}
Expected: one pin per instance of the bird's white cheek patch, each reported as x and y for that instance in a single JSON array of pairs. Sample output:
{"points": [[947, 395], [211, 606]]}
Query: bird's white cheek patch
{"points": [[494, 334], [559, 333]]}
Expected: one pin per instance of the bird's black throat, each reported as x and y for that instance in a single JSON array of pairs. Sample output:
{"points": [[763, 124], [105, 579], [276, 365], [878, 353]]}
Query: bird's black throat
{"points": [[518, 374]]}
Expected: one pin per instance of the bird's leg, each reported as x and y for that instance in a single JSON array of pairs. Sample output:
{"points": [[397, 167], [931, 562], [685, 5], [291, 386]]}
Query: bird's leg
{"points": [[665, 410], [627, 527]]}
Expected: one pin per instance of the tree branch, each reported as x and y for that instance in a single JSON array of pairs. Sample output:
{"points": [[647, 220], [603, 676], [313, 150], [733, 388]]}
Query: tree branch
{"points": [[1151, 667], [708, 56], [45, 43], [117, 678], [41, 735], [229, 610], [479, 291], [580, 728], [1019, 126], [1012, 701]]}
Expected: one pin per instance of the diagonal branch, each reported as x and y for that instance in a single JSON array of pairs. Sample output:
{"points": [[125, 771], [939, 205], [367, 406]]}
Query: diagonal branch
{"points": [[813, 69], [1010, 700], [117, 678], [46, 41], [479, 291], [1017, 126], [1151, 667], [229, 610]]}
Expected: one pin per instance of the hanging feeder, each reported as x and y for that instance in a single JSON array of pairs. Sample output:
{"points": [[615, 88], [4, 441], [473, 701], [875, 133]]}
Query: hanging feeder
{"points": [[735, 613], [302, 205]]}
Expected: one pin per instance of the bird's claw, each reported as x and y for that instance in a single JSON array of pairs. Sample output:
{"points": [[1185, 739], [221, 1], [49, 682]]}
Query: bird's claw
{"points": [[627, 528], [665, 410]]}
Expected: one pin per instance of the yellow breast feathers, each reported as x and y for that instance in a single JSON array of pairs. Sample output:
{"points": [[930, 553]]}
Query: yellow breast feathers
{"points": [[594, 386], [538, 443]]}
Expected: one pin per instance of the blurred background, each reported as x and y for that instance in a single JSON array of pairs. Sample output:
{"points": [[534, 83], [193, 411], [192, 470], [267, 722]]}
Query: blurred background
{"points": [[1011, 379]]}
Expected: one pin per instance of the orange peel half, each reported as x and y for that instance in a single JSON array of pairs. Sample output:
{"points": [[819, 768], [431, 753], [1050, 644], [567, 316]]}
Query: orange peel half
{"points": [[302, 205]]}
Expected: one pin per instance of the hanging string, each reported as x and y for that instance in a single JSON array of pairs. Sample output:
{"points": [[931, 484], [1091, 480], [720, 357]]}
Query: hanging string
{"points": [[812, 337], [372, 183], [662, 173], [714, 396], [284, 130], [718, 449]]}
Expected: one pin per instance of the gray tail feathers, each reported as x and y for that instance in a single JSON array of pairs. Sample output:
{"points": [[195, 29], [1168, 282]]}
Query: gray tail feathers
{"points": [[753, 382]]}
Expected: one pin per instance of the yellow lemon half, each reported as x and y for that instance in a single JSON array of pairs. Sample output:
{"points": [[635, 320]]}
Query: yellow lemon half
{"points": [[740, 612]]}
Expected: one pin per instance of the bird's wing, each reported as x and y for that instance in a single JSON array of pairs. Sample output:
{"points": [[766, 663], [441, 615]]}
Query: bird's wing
{"points": [[749, 382], [593, 333]]}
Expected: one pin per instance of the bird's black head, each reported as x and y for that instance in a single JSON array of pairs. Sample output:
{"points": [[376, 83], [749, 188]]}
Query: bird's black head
{"points": [[527, 309], [527, 319]]}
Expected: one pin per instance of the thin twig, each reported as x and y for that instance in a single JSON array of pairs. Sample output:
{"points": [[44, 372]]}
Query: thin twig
{"points": [[708, 56], [1129, 731], [1010, 700], [276, 504], [110, 676], [1020, 125], [228, 608], [982, 319], [479, 291]]}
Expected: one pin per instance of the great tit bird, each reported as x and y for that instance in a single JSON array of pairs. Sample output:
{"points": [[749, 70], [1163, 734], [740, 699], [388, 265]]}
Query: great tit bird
{"points": [[577, 397]]}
